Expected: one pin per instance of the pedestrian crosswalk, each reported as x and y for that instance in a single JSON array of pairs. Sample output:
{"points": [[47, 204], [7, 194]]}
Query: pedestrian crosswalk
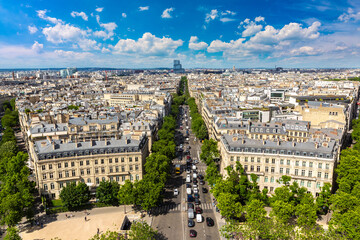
{"points": [[173, 207]]}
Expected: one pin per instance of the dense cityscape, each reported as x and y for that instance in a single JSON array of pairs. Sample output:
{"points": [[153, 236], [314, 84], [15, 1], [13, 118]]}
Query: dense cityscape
{"points": [[179, 120]]}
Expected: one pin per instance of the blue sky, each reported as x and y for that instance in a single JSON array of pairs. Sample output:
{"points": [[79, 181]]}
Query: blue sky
{"points": [[143, 33]]}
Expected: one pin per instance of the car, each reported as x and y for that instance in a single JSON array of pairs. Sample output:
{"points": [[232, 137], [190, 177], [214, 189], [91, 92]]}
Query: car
{"points": [[209, 222], [200, 176], [181, 128], [193, 233], [188, 185], [194, 175], [197, 201], [181, 146], [195, 185], [188, 170], [191, 223], [188, 190], [195, 181], [176, 192], [199, 218], [196, 195], [202, 182], [190, 206], [198, 210], [204, 190], [189, 147], [196, 190], [187, 139], [188, 157], [190, 198], [194, 167]]}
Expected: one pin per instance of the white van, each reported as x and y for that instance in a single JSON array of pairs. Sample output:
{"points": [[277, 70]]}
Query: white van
{"points": [[194, 167], [188, 179], [188, 190], [190, 213], [199, 218], [194, 175]]}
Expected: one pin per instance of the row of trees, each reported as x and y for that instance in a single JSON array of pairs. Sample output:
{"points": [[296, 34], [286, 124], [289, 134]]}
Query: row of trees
{"points": [[16, 191]]}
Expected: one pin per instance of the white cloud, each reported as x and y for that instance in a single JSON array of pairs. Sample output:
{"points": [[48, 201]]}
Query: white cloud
{"points": [[220, 46], [79, 14], [99, 9], [63, 33], [195, 45], [32, 29], [42, 14], [149, 45], [228, 12], [304, 51], [105, 50], [212, 15], [259, 19], [71, 54], [145, 8], [224, 20], [109, 29], [88, 44], [251, 28], [166, 13], [124, 15], [37, 47], [350, 15]]}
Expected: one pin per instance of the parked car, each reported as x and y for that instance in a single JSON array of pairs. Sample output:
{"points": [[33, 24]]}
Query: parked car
{"points": [[191, 223], [196, 190], [204, 190], [198, 210], [197, 201], [190, 205], [195, 181], [196, 195], [188, 190], [190, 213], [188, 185], [199, 218], [193, 233], [202, 182], [176, 192], [209, 221]]}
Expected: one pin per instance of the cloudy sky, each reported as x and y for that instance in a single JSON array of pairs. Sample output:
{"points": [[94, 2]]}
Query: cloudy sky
{"points": [[143, 33]]}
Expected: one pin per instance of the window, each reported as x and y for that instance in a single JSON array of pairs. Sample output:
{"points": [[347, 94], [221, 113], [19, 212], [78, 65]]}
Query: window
{"points": [[122, 159], [88, 171], [137, 176], [317, 185], [117, 178], [117, 169], [43, 167], [110, 160], [87, 162], [97, 180], [116, 160], [231, 158], [45, 187], [59, 165], [319, 174], [320, 165], [326, 175], [123, 178], [281, 170], [271, 189], [72, 164], [52, 185], [266, 179], [110, 169], [251, 168], [302, 172], [272, 179], [89, 180], [288, 162], [297, 163], [96, 162], [296, 172], [302, 183], [51, 175], [60, 174], [130, 159], [102, 161], [50, 166], [103, 179], [266, 169], [304, 164], [258, 159], [136, 159], [272, 170], [273, 161], [266, 160], [310, 174], [282, 161], [44, 176], [82, 172], [245, 167], [136, 167], [66, 164], [258, 168], [61, 185], [327, 166], [131, 177], [73, 173], [310, 164], [66, 173], [252, 159], [81, 163], [123, 168], [102, 170], [308, 184], [96, 170], [288, 171]]}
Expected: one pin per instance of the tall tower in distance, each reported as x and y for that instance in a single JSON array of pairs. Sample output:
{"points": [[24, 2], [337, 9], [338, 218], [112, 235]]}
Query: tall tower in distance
{"points": [[177, 67]]}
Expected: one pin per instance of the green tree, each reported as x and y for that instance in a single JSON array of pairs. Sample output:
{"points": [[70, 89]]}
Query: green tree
{"points": [[12, 234], [107, 192], [108, 235], [282, 211], [73, 196], [148, 192], [229, 205], [8, 136], [141, 230], [8, 149], [212, 174], [12, 104], [126, 193], [323, 200]]}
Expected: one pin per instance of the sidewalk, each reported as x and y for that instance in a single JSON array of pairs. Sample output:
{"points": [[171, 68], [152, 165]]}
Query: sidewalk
{"points": [[220, 221]]}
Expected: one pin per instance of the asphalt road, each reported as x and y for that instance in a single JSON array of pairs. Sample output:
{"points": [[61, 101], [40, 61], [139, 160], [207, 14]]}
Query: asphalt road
{"points": [[171, 217]]}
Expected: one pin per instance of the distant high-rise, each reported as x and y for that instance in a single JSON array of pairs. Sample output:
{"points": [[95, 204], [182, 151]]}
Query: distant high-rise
{"points": [[67, 72], [177, 67]]}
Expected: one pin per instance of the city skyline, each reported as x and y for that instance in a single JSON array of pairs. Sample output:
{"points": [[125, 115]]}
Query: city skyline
{"points": [[141, 34]]}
